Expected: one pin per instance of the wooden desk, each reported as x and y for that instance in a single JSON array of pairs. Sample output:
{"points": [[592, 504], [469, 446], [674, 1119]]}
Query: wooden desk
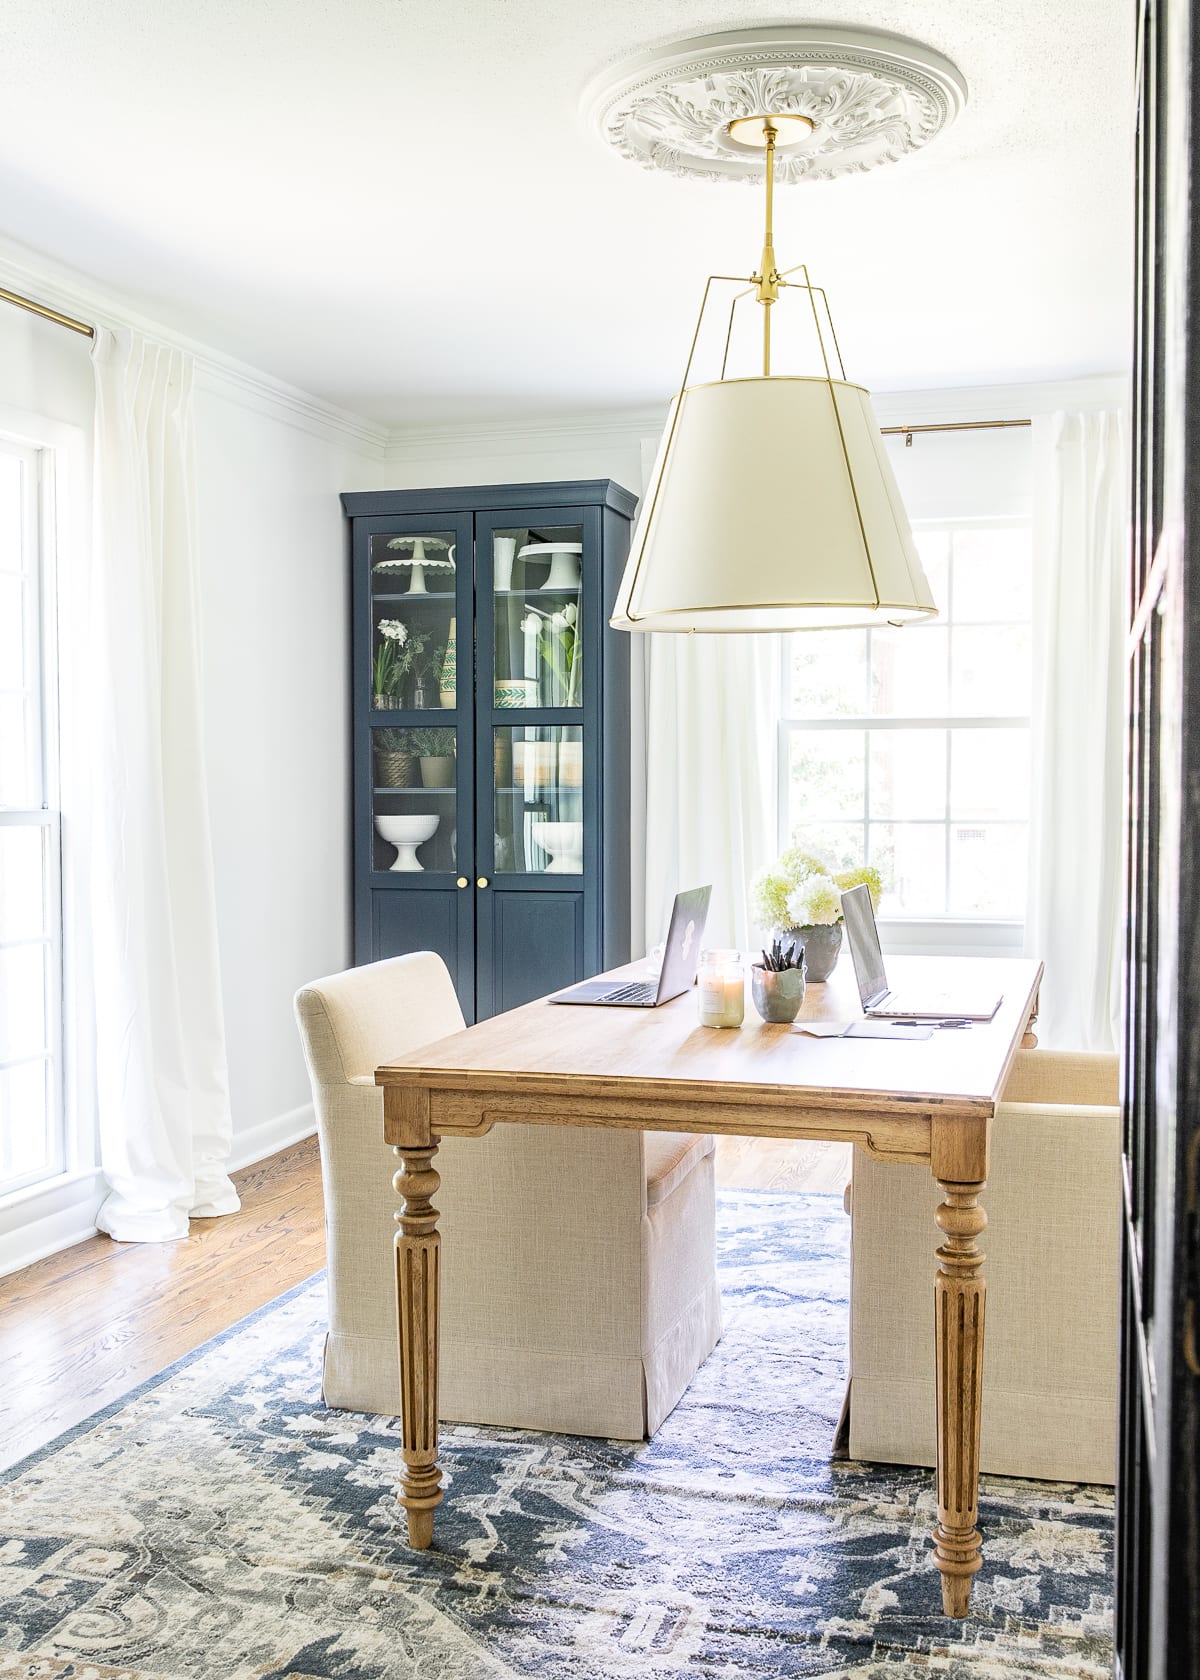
{"points": [[658, 1070]]}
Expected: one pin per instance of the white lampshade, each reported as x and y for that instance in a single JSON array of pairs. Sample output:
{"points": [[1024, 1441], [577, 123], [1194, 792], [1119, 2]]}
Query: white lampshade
{"points": [[763, 513]]}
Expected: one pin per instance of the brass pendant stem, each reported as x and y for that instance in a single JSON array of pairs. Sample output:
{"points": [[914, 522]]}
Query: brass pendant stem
{"points": [[767, 279]]}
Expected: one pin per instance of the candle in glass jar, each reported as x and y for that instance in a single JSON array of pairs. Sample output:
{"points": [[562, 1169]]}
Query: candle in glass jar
{"points": [[721, 989]]}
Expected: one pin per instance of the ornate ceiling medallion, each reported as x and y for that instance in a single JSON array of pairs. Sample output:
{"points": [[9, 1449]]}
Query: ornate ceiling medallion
{"points": [[871, 99]]}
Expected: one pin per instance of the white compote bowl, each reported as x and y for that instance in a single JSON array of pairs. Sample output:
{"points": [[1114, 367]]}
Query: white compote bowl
{"points": [[406, 834], [562, 843]]}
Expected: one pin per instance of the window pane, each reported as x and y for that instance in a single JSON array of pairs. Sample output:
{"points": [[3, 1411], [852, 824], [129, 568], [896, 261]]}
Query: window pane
{"points": [[26, 1149], [934, 549], [17, 782], [909, 675], [990, 671], [987, 869], [908, 773], [993, 574], [829, 674], [539, 800], [415, 799], [989, 773], [911, 858], [537, 610], [12, 631], [22, 906], [11, 557], [414, 645], [22, 1001], [842, 845], [826, 776]]}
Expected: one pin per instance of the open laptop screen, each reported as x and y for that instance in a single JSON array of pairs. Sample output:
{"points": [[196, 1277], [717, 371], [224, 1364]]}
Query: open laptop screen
{"points": [[864, 944]]}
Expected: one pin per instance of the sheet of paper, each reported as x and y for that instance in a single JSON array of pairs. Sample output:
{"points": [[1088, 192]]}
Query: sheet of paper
{"points": [[863, 1029], [886, 1029]]}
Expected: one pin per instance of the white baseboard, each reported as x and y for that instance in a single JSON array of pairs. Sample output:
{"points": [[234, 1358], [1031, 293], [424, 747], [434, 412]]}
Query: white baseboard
{"points": [[267, 1138], [52, 1217], [58, 1215]]}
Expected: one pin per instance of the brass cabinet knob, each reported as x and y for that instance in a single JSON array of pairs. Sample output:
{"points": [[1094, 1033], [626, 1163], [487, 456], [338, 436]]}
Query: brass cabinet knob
{"points": [[463, 882], [482, 881]]}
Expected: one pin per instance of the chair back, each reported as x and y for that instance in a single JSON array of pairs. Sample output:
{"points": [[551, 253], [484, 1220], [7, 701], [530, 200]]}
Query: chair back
{"points": [[351, 1022]]}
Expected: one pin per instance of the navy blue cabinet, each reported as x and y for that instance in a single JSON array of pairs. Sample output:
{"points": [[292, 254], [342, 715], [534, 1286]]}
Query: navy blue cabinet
{"points": [[491, 733]]}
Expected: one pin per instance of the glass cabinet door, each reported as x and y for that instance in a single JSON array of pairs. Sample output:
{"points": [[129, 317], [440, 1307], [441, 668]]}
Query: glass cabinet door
{"points": [[537, 616], [414, 619], [414, 799], [538, 801]]}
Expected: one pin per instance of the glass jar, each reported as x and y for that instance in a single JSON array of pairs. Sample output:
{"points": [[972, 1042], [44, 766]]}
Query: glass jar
{"points": [[721, 989]]}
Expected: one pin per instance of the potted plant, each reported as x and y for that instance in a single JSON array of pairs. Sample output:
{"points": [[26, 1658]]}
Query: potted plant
{"points": [[435, 749], [398, 653], [395, 760], [777, 981], [799, 897]]}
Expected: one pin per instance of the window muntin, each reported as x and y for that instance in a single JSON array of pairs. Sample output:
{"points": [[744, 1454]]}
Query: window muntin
{"points": [[909, 748]]}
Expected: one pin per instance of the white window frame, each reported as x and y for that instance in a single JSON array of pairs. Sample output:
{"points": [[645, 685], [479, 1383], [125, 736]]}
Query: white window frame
{"points": [[899, 934], [51, 1213], [40, 635]]}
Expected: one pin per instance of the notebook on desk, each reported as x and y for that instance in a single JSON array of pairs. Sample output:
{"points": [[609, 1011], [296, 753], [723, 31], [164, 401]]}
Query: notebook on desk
{"points": [[681, 959], [877, 997]]}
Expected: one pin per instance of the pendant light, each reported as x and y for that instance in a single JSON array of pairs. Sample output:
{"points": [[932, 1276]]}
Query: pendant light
{"points": [[772, 504]]}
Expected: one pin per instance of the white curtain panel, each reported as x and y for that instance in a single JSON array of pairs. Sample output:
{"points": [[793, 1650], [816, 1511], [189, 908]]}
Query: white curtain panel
{"points": [[162, 1085], [712, 718], [1080, 531]]}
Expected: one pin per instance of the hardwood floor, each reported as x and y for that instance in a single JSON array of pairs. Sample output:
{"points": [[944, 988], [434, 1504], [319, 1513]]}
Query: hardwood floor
{"points": [[83, 1327]]}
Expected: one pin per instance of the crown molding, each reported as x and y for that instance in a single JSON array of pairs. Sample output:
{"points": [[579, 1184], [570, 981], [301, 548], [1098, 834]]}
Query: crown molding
{"points": [[1023, 401], [518, 437], [29, 272]]}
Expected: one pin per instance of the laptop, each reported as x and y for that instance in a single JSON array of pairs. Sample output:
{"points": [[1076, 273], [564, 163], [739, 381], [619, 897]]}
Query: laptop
{"points": [[877, 999], [681, 959]]}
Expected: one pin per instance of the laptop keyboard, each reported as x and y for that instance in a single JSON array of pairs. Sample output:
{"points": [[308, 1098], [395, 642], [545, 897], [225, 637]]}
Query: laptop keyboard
{"points": [[638, 992]]}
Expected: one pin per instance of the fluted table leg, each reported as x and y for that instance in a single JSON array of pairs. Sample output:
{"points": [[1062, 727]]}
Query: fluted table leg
{"points": [[959, 1297], [418, 1254]]}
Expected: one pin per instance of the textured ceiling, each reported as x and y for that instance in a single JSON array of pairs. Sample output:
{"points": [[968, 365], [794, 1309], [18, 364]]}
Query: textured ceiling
{"points": [[395, 204]]}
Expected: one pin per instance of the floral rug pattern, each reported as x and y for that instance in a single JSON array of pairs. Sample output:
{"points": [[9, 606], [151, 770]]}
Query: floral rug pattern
{"points": [[221, 1524]]}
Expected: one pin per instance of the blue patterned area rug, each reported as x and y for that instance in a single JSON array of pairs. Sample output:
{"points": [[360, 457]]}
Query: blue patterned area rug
{"points": [[220, 1524]]}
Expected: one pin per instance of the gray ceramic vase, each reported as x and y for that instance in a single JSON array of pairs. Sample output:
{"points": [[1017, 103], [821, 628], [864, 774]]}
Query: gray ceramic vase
{"points": [[822, 946], [777, 995]]}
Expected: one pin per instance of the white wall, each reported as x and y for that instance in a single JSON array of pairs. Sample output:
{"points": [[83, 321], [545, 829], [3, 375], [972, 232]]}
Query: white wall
{"points": [[274, 599], [274, 588]]}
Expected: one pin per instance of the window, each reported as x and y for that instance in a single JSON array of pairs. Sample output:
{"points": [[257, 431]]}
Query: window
{"points": [[31, 1103], [909, 748]]}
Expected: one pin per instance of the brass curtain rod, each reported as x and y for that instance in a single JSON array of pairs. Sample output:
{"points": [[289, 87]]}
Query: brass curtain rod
{"points": [[47, 313], [951, 426]]}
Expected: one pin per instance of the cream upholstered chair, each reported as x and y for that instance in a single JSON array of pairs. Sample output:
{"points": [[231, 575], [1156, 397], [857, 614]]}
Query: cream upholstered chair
{"points": [[1050, 1339], [579, 1287]]}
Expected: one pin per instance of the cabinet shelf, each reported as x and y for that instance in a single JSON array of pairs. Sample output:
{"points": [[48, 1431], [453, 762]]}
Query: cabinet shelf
{"points": [[422, 790], [571, 589], [407, 595]]}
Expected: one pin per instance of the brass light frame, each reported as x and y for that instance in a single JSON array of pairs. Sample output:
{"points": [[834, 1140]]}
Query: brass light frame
{"points": [[765, 286]]}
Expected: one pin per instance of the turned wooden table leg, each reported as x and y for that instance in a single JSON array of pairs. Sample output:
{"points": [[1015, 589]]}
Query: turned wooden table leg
{"points": [[1029, 1038], [418, 1255], [959, 1296]]}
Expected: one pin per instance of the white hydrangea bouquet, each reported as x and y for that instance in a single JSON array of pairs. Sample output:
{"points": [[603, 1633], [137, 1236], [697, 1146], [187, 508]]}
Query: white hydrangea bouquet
{"points": [[799, 895]]}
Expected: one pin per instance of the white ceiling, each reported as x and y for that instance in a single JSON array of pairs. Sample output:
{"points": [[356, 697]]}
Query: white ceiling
{"points": [[395, 204]]}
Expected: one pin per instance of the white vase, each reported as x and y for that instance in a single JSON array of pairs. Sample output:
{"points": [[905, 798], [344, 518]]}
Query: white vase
{"points": [[406, 834], [564, 570], [503, 552], [562, 843]]}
